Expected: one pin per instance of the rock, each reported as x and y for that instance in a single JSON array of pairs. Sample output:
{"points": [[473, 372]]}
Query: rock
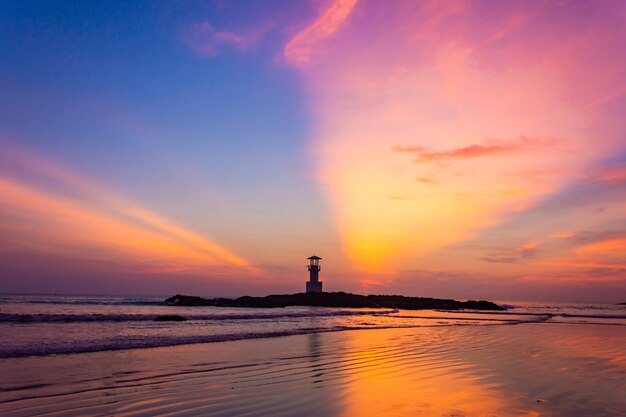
{"points": [[335, 299], [170, 318], [185, 300]]}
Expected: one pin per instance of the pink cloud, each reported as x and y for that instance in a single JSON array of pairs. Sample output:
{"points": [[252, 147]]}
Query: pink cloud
{"points": [[613, 174], [301, 48]]}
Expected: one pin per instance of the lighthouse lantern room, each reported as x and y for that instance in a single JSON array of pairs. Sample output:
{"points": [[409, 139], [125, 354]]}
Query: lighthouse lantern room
{"points": [[314, 284]]}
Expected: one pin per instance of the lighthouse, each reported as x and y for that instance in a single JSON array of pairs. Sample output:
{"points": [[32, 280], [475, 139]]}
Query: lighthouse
{"points": [[314, 285]]}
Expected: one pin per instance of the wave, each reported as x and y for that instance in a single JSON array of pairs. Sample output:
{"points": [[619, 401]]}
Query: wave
{"points": [[542, 314], [96, 303], [86, 318], [143, 342], [83, 318], [152, 342], [83, 302], [507, 306], [592, 316]]}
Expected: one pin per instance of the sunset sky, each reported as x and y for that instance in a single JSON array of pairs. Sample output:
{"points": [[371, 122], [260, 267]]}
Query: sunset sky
{"points": [[463, 149]]}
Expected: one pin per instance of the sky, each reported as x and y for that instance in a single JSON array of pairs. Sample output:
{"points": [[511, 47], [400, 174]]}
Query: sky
{"points": [[460, 149]]}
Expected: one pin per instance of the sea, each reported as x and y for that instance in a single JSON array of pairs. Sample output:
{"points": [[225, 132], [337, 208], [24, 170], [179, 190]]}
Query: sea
{"points": [[41, 325], [67, 355]]}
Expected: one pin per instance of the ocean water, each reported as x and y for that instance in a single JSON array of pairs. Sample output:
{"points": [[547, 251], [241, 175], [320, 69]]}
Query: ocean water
{"points": [[106, 356], [39, 325]]}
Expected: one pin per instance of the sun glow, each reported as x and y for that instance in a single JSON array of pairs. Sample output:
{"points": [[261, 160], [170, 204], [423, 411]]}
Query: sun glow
{"points": [[427, 133]]}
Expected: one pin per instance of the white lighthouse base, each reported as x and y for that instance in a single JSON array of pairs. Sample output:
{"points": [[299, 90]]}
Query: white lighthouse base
{"points": [[314, 286]]}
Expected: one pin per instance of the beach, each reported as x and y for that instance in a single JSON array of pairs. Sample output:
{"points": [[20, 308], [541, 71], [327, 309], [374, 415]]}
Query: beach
{"points": [[448, 368]]}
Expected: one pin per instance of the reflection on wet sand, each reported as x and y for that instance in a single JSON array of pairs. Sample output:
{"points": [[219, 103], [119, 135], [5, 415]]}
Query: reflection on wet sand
{"points": [[520, 370], [503, 371], [413, 377]]}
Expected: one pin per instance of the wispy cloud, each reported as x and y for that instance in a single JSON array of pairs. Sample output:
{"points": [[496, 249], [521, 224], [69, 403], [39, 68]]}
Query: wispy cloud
{"points": [[301, 48], [473, 151], [51, 210], [514, 255], [593, 253], [208, 41], [586, 265], [562, 235], [611, 174], [425, 180], [591, 237]]}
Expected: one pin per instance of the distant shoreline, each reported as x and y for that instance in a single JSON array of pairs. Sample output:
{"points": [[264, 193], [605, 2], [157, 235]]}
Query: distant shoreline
{"points": [[335, 299]]}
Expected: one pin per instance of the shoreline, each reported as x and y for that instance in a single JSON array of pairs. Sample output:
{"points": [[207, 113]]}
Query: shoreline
{"points": [[139, 345]]}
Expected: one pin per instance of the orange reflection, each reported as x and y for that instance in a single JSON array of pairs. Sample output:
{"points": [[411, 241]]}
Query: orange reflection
{"points": [[406, 379]]}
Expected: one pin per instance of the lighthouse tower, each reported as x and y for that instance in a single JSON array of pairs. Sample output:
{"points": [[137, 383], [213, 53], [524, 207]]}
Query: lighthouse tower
{"points": [[314, 285]]}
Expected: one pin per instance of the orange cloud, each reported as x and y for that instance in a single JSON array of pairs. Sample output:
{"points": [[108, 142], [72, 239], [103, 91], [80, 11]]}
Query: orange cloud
{"points": [[73, 216], [586, 265], [562, 235], [472, 151], [425, 180], [616, 246], [604, 254]]}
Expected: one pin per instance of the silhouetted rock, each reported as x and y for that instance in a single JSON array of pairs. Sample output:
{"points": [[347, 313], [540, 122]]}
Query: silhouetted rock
{"points": [[170, 318], [335, 299]]}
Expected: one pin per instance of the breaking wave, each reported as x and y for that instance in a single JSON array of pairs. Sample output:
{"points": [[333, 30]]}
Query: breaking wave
{"points": [[83, 318]]}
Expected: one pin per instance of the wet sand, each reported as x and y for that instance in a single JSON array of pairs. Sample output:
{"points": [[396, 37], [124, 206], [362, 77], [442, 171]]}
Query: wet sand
{"points": [[514, 370]]}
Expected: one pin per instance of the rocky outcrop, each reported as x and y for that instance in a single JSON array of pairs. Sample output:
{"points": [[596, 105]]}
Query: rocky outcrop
{"points": [[335, 299], [170, 318]]}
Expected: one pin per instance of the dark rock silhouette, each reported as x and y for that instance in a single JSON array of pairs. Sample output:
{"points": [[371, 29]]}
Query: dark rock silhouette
{"points": [[335, 299], [170, 318]]}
